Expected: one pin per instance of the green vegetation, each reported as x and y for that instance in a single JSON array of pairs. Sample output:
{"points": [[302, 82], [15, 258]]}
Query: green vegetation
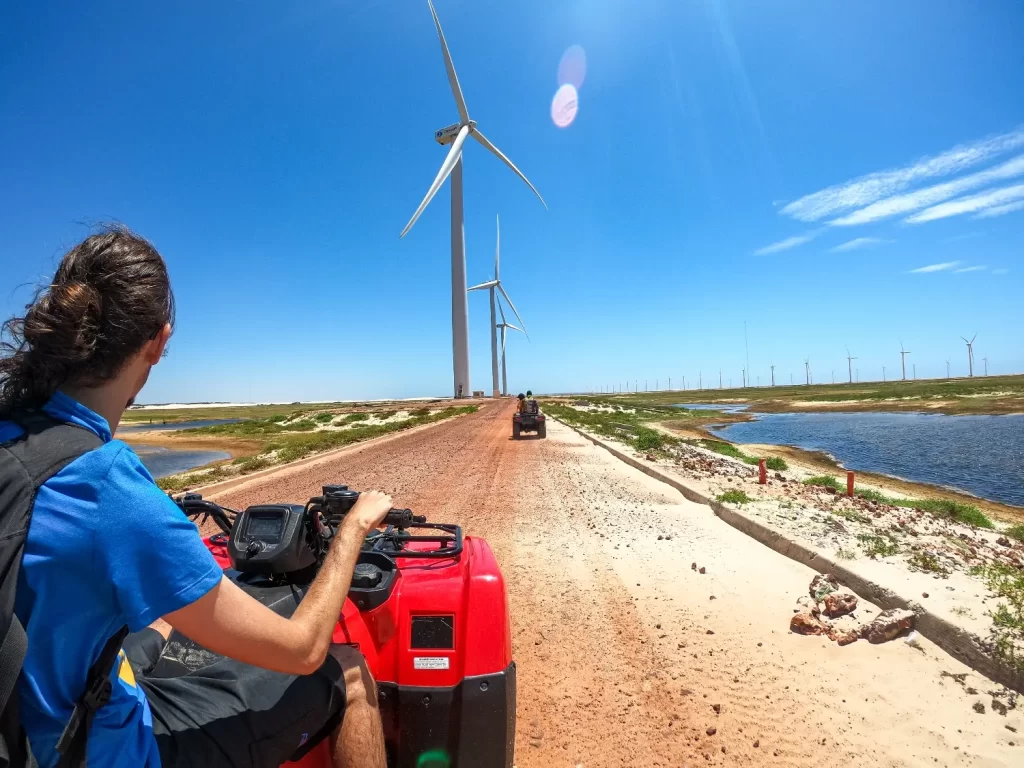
{"points": [[621, 424], [324, 418], [1007, 583], [300, 425], [926, 561], [967, 514], [877, 546], [824, 481], [850, 514], [726, 449], [279, 444], [352, 418], [776, 463], [981, 394], [420, 412], [846, 554], [648, 440], [733, 497], [1016, 532]]}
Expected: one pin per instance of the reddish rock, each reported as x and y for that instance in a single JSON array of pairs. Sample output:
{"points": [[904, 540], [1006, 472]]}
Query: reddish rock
{"points": [[1003, 541], [807, 624], [843, 636], [839, 604], [888, 625]]}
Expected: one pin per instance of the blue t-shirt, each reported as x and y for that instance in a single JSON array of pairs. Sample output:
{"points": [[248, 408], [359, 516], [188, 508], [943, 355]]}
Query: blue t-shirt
{"points": [[105, 548]]}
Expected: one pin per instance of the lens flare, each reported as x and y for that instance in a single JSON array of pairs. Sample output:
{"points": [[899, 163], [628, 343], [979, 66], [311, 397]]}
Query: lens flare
{"points": [[564, 106], [572, 69]]}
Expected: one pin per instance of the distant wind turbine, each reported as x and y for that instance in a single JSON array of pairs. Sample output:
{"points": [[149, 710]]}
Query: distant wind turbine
{"points": [[491, 286], [947, 369], [985, 360], [903, 359], [504, 326], [807, 369], [849, 363], [772, 366], [970, 354], [456, 135]]}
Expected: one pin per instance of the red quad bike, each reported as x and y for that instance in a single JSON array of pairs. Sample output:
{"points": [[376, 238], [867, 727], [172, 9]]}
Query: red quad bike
{"points": [[427, 608], [532, 420]]}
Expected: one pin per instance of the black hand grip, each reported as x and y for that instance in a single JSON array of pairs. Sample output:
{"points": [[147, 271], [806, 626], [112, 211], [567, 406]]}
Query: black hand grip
{"points": [[400, 518]]}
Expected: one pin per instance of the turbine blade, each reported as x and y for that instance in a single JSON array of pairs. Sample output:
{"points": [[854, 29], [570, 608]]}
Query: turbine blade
{"points": [[513, 307], [497, 249], [502, 311], [515, 328], [446, 168], [975, 336], [482, 286], [501, 156], [503, 341], [453, 79]]}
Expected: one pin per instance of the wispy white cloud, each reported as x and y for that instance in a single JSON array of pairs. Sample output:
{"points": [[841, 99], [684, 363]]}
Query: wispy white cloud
{"points": [[999, 210], [859, 242], [964, 236], [972, 204], [976, 268], [922, 198], [1000, 271], [936, 267], [785, 245], [868, 189]]}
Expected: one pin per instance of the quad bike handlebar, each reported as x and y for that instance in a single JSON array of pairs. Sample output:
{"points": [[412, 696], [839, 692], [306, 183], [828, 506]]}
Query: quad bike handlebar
{"points": [[288, 539]]}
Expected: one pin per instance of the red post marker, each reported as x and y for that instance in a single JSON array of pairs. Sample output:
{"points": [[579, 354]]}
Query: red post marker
{"points": [[849, 483], [762, 472]]}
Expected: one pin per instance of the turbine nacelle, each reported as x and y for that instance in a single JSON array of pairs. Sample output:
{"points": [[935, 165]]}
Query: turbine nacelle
{"points": [[447, 135]]}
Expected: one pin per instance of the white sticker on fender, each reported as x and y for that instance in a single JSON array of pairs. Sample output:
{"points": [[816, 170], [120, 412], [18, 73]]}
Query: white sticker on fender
{"points": [[430, 662]]}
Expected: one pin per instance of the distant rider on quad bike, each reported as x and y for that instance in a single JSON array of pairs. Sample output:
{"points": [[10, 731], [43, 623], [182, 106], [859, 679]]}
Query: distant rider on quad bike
{"points": [[108, 552], [522, 403]]}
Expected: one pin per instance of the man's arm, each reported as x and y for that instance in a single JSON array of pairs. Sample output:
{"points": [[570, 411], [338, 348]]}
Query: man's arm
{"points": [[229, 622]]}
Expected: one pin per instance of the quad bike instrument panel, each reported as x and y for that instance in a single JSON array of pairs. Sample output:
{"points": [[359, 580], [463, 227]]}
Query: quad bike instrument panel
{"points": [[427, 608]]}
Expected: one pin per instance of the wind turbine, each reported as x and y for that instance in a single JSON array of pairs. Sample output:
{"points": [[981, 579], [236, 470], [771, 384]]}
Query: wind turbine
{"points": [[807, 369], [849, 363], [985, 360], [456, 135], [504, 326], [947, 369], [773, 374], [903, 359], [970, 355], [491, 286]]}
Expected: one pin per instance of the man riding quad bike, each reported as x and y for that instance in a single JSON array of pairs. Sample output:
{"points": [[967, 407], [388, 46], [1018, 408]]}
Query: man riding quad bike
{"points": [[270, 660], [528, 417]]}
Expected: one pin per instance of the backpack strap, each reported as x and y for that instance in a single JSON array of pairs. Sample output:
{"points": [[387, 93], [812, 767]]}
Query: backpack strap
{"points": [[26, 463]]}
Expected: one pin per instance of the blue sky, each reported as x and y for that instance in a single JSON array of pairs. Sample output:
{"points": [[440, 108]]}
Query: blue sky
{"points": [[835, 174]]}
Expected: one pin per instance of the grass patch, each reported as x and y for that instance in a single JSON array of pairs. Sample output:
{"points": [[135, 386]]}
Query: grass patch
{"points": [[420, 412], [352, 418], [824, 481], [647, 440], [875, 496], [776, 463], [926, 561], [1016, 532], [968, 514], [1008, 617], [846, 554], [733, 497], [727, 449], [248, 464], [877, 546], [323, 418], [853, 515]]}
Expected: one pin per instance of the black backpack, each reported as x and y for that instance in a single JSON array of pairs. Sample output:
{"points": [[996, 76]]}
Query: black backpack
{"points": [[26, 463]]}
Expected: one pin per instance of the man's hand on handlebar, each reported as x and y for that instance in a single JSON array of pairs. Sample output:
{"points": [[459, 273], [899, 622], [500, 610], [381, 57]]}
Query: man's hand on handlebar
{"points": [[369, 511]]}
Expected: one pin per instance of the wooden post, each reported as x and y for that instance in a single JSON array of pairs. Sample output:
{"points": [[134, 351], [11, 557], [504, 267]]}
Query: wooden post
{"points": [[849, 483], [762, 472]]}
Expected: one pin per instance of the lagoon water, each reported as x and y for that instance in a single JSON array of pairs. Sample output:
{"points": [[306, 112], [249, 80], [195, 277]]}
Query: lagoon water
{"points": [[162, 462], [982, 455]]}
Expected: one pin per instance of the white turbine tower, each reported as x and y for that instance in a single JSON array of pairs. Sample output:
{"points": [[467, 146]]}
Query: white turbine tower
{"points": [[456, 135], [970, 354], [491, 286], [504, 326]]}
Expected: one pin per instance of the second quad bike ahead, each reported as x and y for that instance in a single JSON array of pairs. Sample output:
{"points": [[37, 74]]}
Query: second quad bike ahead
{"points": [[530, 419]]}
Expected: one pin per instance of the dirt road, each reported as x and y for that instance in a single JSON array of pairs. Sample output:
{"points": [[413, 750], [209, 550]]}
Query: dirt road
{"points": [[627, 656]]}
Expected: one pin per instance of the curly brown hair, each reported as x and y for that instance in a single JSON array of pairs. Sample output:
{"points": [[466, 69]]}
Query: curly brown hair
{"points": [[109, 296]]}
